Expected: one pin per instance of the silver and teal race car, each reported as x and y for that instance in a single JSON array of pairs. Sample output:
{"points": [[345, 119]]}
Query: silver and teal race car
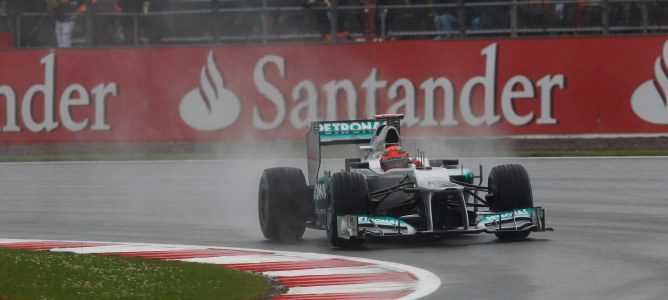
{"points": [[429, 197]]}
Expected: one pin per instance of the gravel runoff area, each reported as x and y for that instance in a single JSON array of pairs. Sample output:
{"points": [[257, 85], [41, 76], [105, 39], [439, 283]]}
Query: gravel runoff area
{"points": [[451, 147]]}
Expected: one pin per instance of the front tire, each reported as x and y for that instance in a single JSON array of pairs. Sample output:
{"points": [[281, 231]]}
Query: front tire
{"points": [[282, 204], [348, 195], [511, 188]]}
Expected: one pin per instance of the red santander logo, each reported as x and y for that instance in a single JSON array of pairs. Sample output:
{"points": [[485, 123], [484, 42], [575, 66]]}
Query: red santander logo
{"points": [[214, 106], [650, 100]]}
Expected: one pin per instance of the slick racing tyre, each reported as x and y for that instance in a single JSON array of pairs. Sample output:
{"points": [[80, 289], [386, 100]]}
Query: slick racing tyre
{"points": [[511, 188], [348, 195], [282, 204]]}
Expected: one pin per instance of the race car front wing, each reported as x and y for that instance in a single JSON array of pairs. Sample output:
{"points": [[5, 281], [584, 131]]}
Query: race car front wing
{"points": [[518, 220]]}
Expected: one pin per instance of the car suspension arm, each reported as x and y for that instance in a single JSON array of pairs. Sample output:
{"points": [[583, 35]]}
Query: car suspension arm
{"points": [[392, 189], [478, 198], [471, 186]]}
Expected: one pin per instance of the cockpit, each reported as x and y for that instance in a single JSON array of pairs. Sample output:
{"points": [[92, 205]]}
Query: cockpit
{"points": [[384, 137]]}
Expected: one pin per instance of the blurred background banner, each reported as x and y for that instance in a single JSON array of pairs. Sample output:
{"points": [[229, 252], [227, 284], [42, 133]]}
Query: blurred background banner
{"points": [[545, 86]]}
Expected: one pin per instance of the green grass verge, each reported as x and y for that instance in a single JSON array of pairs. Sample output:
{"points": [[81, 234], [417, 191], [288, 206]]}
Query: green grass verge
{"points": [[52, 275]]}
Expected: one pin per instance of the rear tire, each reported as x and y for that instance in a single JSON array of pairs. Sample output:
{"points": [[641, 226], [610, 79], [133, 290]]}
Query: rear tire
{"points": [[511, 188], [282, 204], [348, 195]]}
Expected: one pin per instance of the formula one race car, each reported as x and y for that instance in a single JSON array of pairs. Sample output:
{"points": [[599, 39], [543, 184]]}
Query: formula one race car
{"points": [[388, 193]]}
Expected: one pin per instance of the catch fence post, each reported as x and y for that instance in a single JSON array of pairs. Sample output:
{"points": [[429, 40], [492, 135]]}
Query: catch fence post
{"points": [[215, 20], [334, 16], [265, 22], [18, 31], [644, 9], [605, 17], [90, 23], [513, 18], [135, 28], [461, 17], [383, 24]]}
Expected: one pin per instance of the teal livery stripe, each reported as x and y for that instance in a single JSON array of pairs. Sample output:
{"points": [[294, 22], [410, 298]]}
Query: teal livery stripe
{"points": [[345, 136]]}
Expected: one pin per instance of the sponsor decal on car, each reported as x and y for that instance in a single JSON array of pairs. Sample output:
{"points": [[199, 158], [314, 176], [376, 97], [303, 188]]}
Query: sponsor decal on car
{"points": [[348, 130], [349, 127], [507, 215], [380, 221]]}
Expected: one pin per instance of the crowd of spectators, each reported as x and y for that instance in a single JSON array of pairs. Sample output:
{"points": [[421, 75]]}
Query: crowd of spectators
{"points": [[39, 23], [443, 19]]}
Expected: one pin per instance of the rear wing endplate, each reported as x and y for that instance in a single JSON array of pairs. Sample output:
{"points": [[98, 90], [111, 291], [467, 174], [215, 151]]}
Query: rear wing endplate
{"points": [[340, 133]]}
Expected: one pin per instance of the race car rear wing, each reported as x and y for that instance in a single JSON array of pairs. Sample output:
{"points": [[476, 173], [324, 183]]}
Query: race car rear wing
{"points": [[327, 133]]}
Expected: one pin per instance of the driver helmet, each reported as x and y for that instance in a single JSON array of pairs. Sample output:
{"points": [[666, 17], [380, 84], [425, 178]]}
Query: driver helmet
{"points": [[394, 157]]}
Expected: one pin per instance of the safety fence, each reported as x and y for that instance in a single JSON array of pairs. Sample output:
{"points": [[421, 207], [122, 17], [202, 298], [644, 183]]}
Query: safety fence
{"points": [[244, 22]]}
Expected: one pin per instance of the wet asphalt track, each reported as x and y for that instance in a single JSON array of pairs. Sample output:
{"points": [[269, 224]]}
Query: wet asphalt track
{"points": [[610, 217]]}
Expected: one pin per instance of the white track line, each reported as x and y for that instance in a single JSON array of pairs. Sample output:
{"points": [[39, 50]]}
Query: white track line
{"points": [[126, 248], [329, 271], [244, 259], [15, 241], [353, 288]]}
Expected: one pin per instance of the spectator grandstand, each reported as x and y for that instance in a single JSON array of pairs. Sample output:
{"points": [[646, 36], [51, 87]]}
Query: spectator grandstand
{"points": [[30, 23]]}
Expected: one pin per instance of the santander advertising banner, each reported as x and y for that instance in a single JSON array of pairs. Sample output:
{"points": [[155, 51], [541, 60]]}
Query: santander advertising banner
{"points": [[560, 86]]}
